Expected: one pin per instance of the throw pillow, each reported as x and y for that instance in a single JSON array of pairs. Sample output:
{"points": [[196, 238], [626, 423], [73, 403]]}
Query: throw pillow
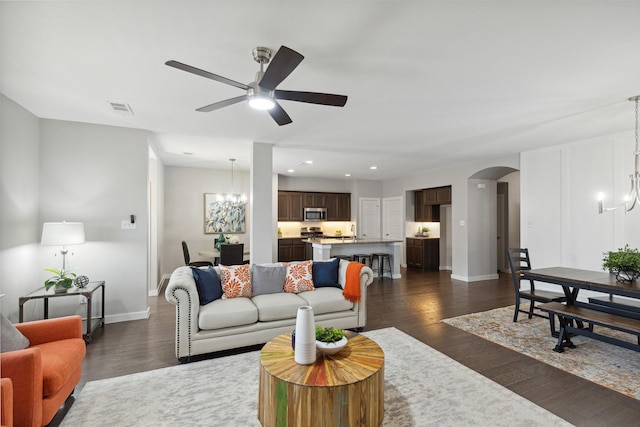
{"points": [[208, 284], [268, 280], [299, 277], [11, 338], [236, 281], [325, 273]]}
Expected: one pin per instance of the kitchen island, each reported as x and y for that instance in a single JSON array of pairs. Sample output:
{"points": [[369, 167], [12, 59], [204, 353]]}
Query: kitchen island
{"points": [[324, 249]]}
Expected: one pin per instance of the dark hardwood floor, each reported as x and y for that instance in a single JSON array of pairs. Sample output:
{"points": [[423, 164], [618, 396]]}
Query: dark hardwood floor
{"points": [[415, 305]]}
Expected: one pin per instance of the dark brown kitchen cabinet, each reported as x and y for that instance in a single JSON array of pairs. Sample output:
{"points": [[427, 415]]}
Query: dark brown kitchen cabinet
{"points": [[429, 197], [289, 206], [443, 195], [291, 249], [314, 200], [424, 212], [338, 206], [423, 253]]}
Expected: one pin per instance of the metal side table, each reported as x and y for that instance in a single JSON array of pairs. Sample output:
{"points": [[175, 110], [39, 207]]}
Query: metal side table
{"points": [[87, 292]]}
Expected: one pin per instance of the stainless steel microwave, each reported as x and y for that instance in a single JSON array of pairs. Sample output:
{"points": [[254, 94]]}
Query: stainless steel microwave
{"points": [[315, 214]]}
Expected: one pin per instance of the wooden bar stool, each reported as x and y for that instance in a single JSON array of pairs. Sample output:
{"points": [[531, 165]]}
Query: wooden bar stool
{"points": [[380, 258], [363, 258]]}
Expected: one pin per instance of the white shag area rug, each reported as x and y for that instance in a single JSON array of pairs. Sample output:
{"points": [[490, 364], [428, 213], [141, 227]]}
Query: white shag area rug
{"points": [[423, 387]]}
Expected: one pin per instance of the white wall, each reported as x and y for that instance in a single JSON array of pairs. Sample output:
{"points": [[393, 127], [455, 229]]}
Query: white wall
{"points": [[20, 226], [98, 175], [560, 223], [184, 210], [458, 177]]}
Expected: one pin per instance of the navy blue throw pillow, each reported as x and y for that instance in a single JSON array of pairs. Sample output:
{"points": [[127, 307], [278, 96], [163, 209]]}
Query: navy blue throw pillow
{"points": [[208, 284], [325, 273]]}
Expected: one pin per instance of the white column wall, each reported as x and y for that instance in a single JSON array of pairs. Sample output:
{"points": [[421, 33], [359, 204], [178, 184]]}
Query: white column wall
{"points": [[264, 224]]}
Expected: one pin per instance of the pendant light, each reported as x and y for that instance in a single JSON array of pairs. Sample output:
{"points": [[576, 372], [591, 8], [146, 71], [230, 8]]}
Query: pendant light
{"points": [[233, 198], [633, 197]]}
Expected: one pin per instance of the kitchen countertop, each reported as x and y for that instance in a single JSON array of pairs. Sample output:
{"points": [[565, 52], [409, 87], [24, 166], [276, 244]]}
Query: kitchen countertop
{"points": [[349, 241], [422, 237]]}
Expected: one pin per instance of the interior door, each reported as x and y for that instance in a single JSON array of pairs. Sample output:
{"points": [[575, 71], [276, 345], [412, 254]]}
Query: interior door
{"points": [[392, 224], [369, 226]]}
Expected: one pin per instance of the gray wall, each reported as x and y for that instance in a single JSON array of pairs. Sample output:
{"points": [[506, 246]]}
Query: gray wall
{"points": [[20, 269], [55, 170], [184, 210]]}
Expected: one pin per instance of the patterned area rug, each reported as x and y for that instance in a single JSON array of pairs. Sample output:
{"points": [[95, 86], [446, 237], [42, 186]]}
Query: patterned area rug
{"points": [[608, 365], [423, 387]]}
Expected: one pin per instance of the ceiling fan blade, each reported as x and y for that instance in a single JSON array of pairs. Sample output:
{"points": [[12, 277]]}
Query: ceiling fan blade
{"points": [[312, 97], [283, 63], [199, 72], [222, 104], [279, 115]]}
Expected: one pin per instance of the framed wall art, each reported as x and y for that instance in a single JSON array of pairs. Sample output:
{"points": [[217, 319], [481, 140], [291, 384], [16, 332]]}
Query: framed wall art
{"points": [[224, 214]]}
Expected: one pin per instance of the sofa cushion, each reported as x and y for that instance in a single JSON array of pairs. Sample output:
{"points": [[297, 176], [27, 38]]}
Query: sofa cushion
{"points": [[60, 359], [277, 306], [11, 338], [207, 283], [236, 281], [325, 273], [299, 277], [267, 280], [326, 300], [223, 313]]}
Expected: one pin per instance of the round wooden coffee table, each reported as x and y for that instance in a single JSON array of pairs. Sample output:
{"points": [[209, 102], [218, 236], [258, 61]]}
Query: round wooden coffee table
{"points": [[346, 389]]}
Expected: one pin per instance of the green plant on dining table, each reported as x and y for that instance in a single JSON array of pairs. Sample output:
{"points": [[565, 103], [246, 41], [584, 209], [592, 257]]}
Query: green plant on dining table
{"points": [[329, 334], [624, 263], [62, 279]]}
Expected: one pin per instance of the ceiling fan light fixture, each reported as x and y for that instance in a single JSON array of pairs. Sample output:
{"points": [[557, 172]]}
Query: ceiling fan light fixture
{"points": [[261, 101]]}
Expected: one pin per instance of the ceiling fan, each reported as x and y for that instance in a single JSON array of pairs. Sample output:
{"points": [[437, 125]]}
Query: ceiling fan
{"points": [[262, 93]]}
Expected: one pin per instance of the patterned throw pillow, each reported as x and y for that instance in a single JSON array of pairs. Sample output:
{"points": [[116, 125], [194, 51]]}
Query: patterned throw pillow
{"points": [[299, 277], [236, 281]]}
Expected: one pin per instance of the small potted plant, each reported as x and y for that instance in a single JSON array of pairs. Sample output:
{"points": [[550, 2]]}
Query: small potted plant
{"points": [[62, 280], [425, 231], [624, 263], [330, 340]]}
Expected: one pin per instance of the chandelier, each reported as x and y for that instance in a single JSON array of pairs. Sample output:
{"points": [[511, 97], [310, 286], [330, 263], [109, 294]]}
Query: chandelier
{"points": [[232, 198], [633, 197]]}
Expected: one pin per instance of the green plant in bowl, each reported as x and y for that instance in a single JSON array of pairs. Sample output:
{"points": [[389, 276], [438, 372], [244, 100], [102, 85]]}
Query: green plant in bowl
{"points": [[62, 280], [329, 334], [624, 263]]}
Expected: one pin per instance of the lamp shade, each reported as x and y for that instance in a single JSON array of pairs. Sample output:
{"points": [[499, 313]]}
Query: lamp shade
{"points": [[62, 233]]}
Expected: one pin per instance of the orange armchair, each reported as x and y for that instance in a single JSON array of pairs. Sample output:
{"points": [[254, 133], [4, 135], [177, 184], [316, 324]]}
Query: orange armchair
{"points": [[46, 373]]}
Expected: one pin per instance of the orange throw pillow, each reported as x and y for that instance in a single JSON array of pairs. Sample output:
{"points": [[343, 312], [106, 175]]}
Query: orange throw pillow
{"points": [[236, 281], [299, 277]]}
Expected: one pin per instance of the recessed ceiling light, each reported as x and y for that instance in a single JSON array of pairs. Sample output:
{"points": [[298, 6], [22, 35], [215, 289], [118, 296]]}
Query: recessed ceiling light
{"points": [[291, 171], [347, 174], [373, 167], [309, 162]]}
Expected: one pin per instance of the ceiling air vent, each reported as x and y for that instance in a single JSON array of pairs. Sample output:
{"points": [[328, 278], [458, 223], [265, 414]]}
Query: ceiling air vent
{"points": [[121, 108]]}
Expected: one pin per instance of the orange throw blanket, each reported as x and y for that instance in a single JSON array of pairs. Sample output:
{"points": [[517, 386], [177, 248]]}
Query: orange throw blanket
{"points": [[351, 290]]}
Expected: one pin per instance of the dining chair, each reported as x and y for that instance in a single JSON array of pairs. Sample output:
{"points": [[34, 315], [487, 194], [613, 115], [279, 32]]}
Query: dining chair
{"points": [[187, 258], [231, 253], [519, 261]]}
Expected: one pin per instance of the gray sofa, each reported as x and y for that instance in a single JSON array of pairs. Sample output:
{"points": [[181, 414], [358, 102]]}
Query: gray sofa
{"points": [[237, 322]]}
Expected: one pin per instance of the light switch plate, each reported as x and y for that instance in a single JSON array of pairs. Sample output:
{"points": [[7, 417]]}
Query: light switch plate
{"points": [[127, 225]]}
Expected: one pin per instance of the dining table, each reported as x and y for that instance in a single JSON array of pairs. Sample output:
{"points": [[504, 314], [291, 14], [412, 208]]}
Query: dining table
{"points": [[215, 255], [573, 280], [612, 314]]}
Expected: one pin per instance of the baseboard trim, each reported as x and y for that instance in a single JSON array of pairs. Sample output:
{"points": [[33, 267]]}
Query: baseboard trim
{"points": [[163, 282], [125, 317], [475, 278]]}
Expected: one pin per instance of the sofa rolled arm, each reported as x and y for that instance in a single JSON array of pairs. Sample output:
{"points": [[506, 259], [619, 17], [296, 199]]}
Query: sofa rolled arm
{"points": [[24, 368], [49, 330], [182, 292]]}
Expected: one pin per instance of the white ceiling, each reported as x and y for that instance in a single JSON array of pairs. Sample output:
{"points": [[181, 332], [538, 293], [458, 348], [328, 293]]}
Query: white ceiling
{"points": [[430, 83]]}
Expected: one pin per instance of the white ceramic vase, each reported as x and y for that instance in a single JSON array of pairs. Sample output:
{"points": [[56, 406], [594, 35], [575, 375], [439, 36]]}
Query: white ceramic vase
{"points": [[305, 347]]}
